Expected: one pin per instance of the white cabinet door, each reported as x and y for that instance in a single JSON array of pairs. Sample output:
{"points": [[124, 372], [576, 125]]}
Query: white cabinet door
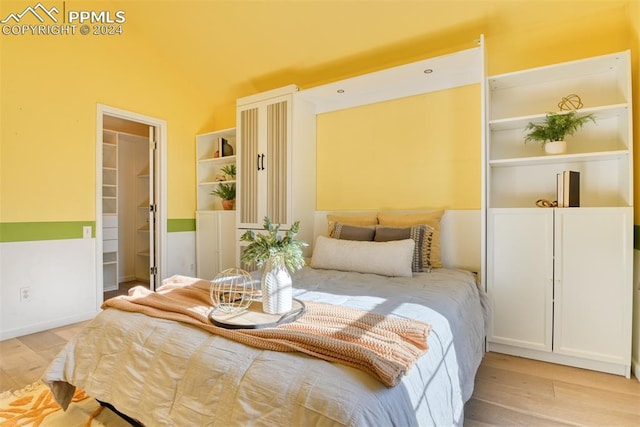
{"points": [[264, 135], [593, 290], [215, 242], [520, 277]]}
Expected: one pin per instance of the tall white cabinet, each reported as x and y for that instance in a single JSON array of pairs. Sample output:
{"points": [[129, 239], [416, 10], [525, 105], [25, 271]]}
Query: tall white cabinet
{"points": [[215, 227], [560, 279], [276, 166]]}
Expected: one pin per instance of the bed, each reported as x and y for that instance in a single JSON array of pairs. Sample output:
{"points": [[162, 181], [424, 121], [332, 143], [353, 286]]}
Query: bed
{"points": [[163, 372]]}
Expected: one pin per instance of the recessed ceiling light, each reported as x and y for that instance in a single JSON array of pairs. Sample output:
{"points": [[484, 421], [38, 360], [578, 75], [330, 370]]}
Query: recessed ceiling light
{"points": [[340, 91], [428, 71]]}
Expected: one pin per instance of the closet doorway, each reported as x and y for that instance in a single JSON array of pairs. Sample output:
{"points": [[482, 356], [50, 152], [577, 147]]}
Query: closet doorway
{"points": [[130, 202]]}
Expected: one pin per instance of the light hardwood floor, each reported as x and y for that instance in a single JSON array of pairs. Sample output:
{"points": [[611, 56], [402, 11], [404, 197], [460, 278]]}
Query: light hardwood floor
{"points": [[24, 359], [509, 390], [513, 391]]}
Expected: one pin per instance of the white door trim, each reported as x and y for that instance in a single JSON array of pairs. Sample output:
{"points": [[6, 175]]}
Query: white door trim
{"points": [[161, 201]]}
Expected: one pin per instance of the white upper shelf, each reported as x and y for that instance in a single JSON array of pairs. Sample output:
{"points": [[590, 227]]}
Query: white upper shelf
{"points": [[443, 72]]}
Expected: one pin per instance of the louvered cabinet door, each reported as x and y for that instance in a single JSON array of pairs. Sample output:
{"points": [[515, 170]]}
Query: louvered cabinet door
{"points": [[278, 136], [263, 187], [248, 184]]}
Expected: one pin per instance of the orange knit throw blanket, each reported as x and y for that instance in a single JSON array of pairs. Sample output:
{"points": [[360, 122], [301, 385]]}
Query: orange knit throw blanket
{"points": [[383, 346]]}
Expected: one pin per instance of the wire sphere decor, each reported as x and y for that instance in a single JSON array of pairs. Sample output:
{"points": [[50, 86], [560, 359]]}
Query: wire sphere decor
{"points": [[232, 291], [570, 102]]}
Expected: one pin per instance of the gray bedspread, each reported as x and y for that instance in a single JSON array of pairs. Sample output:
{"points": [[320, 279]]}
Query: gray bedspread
{"points": [[166, 373]]}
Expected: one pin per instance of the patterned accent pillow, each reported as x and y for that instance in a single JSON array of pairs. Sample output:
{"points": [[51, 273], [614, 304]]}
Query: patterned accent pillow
{"points": [[431, 218], [353, 232], [421, 234]]}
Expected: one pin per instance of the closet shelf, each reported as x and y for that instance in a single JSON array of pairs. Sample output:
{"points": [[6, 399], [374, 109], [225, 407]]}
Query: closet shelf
{"points": [[217, 182], [221, 160]]}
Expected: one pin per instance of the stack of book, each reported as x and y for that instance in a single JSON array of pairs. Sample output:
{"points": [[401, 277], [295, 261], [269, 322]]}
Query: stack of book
{"points": [[568, 187]]}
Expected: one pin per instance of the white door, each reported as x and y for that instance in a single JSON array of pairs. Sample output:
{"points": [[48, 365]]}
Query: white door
{"points": [[215, 242], [594, 290], [520, 277], [153, 208]]}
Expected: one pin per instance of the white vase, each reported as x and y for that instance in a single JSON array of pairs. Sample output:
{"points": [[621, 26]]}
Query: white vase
{"points": [[555, 147], [277, 292]]}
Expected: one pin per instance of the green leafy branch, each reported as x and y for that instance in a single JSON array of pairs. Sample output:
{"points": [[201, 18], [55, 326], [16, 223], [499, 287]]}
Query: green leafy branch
{"points": [[263, 246]]}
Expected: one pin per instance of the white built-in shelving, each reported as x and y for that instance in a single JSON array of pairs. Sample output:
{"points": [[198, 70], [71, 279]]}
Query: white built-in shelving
{"points": [[560, 279], [209, 164]]}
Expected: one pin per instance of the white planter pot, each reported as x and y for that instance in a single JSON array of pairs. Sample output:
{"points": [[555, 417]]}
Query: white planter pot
{"points": [[555, 147], [277, 291]]}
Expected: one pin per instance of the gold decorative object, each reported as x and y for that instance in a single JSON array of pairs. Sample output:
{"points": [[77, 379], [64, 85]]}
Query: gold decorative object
{"points": [[233, 290], [570, 102], [544, 203]]}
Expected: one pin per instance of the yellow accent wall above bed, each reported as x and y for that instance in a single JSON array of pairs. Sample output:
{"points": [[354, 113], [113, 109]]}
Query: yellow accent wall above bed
{"points": [[417, 152]]}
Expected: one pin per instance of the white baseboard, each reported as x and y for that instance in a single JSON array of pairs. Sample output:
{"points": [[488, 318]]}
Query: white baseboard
{"points": [[127, 278], [50, 324]]}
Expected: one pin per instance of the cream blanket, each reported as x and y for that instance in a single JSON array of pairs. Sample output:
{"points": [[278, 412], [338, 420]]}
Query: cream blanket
{"points": [[383, 346]]}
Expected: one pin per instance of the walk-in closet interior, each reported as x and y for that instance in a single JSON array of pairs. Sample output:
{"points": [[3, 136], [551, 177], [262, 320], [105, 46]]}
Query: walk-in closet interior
{"points": [[125, 204]]}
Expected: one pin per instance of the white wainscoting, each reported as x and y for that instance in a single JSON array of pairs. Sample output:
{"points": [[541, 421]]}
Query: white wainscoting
{"points": [[181, 257], [61, 277]]}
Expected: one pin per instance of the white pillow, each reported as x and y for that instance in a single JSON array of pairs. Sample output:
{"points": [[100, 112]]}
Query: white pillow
{"points": [[392, 258]]}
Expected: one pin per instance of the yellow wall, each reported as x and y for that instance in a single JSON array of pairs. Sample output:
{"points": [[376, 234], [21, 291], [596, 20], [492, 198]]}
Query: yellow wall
{"points": [[417, 152], [49, 86]]}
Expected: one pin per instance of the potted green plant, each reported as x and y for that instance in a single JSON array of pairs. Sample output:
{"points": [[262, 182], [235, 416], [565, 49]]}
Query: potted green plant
{"points": [[227, 192], [280, 254], [230, 171], [551, 132]]}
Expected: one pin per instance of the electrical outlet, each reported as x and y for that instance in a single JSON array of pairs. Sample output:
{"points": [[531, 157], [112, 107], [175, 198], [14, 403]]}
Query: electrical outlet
{"points": [[25, 294], [86, 232]]}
